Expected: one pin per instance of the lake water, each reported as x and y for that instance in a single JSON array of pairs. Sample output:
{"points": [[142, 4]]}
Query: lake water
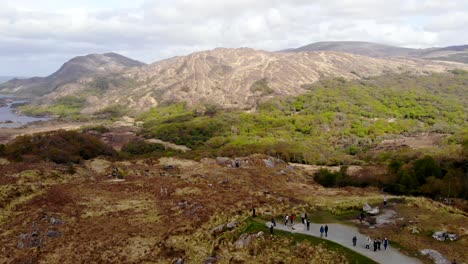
{"points": [[7, 115]]}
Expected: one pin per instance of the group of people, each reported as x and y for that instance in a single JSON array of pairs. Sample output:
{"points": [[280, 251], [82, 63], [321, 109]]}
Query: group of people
{"points": [[377, 243]]}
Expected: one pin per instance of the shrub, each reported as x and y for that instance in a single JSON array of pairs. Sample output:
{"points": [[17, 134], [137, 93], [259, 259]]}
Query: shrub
{"points": [[140, 147], [59, 146]]}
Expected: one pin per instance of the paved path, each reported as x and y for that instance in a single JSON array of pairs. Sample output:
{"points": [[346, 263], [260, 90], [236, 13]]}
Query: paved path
{"points": [[343, 235]]}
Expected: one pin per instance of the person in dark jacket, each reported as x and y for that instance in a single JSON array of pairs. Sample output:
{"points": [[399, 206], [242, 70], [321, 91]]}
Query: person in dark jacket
{"points": [[354, 241], [375, 245], [385, 243], [273, 222], [308, 224], [379, 242], [321, 231], [271, 229], [326, 230]]}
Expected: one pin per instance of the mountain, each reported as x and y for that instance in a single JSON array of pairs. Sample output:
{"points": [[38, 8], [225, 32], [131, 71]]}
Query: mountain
{"points": [[73, 70], [452, 53], [361, 48], [234, 78], [4, 79]]}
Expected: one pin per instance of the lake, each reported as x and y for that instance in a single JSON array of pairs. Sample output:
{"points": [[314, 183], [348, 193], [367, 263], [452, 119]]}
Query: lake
{"points": [[9, 119]]}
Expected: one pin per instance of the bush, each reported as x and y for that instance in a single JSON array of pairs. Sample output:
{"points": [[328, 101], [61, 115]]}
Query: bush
{"points": [[61, 147], [140, 147]]}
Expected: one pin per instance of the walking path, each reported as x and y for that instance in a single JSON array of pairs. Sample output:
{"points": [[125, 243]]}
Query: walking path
{"points": [[343, 235]]}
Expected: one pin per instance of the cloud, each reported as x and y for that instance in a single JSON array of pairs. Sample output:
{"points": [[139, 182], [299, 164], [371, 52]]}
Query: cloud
{"points": [[152, 30]]}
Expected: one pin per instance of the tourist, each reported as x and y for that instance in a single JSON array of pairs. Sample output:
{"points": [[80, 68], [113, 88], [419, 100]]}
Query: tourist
{"points": [[321, 231], [375, 245], [271, 229], [379, 242], [368, 242], [385, 243], [286, 218], [273, 222], [385, 200], [308, 224], [292, 218], [354, 241], [326, 230], [253, 212]]}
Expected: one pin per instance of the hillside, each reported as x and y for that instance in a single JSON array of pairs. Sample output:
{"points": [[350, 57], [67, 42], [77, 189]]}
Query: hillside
{"points": [[232, 78], [451, 53], [73, 70]]}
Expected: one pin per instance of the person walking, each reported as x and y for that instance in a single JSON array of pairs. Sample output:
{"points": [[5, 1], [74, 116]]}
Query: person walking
{"points": [[321, 231], [292, 218], [303, 218], [379, 242], [354, 241], [385, 200], [368, 242], [273, 222], [326, 230], [375, 245], [308, 224], [385, 243], [271, 229], [286, 219]]}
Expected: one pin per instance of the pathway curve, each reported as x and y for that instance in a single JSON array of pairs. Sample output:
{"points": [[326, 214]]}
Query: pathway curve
{"points": [[343, 235]]}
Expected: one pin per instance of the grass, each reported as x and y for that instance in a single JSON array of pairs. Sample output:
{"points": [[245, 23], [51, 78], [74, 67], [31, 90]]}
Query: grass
{"points": [[257, 225]]}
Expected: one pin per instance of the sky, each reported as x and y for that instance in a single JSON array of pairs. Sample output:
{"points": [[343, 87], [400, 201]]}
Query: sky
{"points": [[38, 36]]}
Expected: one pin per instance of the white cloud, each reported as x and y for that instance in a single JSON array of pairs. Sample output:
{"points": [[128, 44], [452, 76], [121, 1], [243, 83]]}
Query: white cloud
{"points": [[153, 30]]}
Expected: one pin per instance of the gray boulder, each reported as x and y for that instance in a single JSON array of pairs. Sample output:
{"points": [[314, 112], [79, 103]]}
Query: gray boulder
{"points": [[435, 256]]}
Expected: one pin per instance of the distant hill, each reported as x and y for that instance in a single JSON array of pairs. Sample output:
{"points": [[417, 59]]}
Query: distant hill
{"points": [[452, 53], [4, 79], [75, 69]]}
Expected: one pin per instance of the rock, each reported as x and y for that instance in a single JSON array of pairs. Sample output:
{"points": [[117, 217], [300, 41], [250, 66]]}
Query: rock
{"points": [[442, 236], [259, 234], [55, 221], [231, 225], [52, 233], [217, 230], [269, 163], [35, 233], [435, 256], [20, 245], [415, 230], [179, 261], [373, 211], [387, 218], [223, 161], [244, 241], [212, 259]]}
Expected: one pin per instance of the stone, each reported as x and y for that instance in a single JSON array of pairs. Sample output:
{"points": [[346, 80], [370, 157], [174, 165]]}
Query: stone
{"points": [[269, 163], [179, 261], [373, 211], [442, 236], [243, 241], [435, 256], [53, 233], [55, 221], [217, 230], [415, 230], [231, 225], [212, 259]]}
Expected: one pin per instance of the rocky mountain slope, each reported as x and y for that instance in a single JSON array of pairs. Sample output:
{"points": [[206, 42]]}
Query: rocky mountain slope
{"points": [[452, 53], [237, 78], [75, 69]]}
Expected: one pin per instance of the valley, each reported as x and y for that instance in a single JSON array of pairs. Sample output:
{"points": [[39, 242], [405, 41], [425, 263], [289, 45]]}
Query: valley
{"points": [[165, 162]]}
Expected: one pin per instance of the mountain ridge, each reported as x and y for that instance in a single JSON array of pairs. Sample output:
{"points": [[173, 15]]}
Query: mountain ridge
{"points": [[71, 71]]}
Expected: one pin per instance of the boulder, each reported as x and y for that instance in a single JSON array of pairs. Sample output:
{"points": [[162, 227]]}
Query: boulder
{"points": [[231, 225], [442, 236], [435, 256], [53, 233], [244, 241], [415, 230], [217, 230], [55, 221], [373, 211]]}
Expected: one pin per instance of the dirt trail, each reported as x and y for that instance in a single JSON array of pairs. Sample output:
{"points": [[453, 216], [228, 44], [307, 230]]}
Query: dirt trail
{"points": [[343, 235]]}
